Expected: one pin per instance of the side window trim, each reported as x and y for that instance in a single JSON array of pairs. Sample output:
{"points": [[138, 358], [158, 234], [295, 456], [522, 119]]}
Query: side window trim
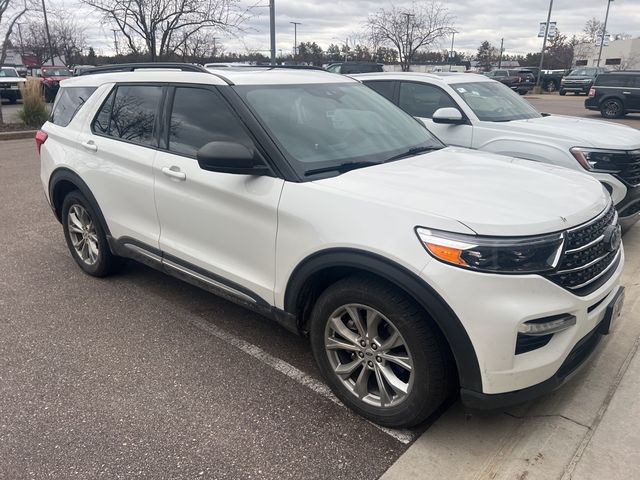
{"points": [[112, 97]]}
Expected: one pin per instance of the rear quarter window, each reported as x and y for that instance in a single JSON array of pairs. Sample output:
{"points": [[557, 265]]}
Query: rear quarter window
{"points": [[608, 80], [68, 103]]}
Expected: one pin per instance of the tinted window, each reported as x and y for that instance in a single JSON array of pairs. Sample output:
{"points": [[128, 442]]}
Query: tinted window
{"points": [[614, 80], [68, 103], [383, 88], [130, 113], [201, 116], [583, 72], [422, 100], [8, 72]]}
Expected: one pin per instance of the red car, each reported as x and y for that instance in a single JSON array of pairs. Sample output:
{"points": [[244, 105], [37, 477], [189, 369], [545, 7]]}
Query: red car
{"points": [[51, 77]]}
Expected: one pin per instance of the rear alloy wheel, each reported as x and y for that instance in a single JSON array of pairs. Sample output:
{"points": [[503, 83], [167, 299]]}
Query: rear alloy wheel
{"points": [[550, 86], [85, 237], [380, 353], [611, 108]]}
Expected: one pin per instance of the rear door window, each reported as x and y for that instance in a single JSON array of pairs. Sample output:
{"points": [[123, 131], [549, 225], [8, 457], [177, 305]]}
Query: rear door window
{"points": [[129, 114], [385, 88], [68, 102], [614, 80]]}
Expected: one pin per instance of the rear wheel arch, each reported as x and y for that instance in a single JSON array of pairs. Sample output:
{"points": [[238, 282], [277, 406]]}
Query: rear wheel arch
{"points": [[318, 271], [62, 182]]}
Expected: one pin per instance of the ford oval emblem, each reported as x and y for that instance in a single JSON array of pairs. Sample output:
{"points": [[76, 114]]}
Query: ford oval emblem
{"points": [[612, 237]]}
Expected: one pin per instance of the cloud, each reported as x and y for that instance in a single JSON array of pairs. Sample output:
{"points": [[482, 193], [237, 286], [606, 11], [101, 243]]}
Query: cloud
{"points": [[333, 21]]}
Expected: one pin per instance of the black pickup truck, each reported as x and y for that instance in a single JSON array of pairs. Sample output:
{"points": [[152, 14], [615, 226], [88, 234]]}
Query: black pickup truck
{"points": [[550, 79], [521, 81]]}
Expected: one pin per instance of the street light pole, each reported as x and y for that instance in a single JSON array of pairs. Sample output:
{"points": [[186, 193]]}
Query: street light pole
{"points": [[501, 50], [295, 37], [46, 27], [604, 32], [272, 28], [406, 48], [544, 44]]}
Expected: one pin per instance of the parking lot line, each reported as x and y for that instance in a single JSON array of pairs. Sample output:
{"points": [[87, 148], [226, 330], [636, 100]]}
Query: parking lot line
{"points": [[403, 436]]}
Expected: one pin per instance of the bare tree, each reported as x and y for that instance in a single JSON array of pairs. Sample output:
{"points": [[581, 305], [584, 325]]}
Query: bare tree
{"points": [[158, 27], [592, 30], [68, 37], [409, 30], [10, 12]]}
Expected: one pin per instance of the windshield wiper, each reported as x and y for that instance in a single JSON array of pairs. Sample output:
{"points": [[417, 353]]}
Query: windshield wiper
{"points": [[411, 152], [343, 167]]}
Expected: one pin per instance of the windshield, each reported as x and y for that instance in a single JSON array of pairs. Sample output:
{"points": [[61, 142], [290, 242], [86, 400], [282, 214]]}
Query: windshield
{"points": [[8, 72], [583, 72], [494, 102], [319, 126], [56, 72]]}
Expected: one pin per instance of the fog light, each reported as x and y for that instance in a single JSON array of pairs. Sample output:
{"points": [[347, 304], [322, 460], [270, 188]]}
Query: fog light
{"points": [[548, 325]]}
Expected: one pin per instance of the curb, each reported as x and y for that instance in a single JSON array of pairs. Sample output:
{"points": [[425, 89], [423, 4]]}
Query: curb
{"points": [[18, 135]]}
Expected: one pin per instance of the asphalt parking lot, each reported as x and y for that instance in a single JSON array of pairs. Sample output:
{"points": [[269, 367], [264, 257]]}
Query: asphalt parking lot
{"points": [[143, 376]]}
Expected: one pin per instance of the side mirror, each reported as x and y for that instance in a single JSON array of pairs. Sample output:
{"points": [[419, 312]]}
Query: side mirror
{"points": [[230, 157], [448, 115]]}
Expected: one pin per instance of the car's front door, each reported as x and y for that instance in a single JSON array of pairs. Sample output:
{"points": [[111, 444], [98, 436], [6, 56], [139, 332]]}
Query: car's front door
{"points": [[222, 224], [422, 100], [633, 92]]}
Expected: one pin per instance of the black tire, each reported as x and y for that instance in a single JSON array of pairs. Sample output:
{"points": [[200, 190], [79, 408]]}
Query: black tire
{"points": [[562, 93], [611, 108], [550, 86], [433, 374], [106, 262], [522, 92]]}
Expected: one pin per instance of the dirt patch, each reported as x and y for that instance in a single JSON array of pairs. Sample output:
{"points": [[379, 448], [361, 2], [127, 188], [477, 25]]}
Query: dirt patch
{"points": [[13, 127]]}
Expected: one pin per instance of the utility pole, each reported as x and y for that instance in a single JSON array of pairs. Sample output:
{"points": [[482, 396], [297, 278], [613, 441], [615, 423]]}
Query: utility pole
{"points": [[544, 45], [501, 50], [453, 37], [115, 40], [295, 37], [272, 28], [46, 27], [604, 32], [406, 48], [214, 46]]}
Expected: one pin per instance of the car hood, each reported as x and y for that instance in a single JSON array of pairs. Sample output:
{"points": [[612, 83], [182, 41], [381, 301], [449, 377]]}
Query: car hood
{"points": [[578, 132], [57, 79], [490, 194], [12, 80]]}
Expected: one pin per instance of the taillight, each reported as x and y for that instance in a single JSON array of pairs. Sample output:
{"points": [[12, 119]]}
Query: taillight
{"points": [[592, 92], [41, 137]]}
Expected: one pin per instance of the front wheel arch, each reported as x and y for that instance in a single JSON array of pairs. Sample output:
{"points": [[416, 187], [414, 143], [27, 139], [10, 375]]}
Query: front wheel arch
{"points": [[321, 269]]}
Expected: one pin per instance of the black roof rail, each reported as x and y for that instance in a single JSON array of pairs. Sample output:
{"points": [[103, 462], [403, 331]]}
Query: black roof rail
{"points": [[130, 67], [269, 67]]}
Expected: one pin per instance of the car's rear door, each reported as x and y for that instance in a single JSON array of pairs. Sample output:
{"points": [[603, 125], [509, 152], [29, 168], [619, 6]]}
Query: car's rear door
{"points": [[118, 147], [221, 225], [634, 92]]}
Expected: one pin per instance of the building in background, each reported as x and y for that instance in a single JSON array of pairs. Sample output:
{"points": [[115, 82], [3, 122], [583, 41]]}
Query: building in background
{"points": [[617, 55]]}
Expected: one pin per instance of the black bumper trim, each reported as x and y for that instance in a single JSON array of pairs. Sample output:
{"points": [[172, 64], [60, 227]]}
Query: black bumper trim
{"points": [[574, 362]]}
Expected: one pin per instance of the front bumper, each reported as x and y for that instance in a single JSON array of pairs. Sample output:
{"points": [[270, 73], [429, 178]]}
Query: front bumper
{"points": [[491, 307], [581, 88]]}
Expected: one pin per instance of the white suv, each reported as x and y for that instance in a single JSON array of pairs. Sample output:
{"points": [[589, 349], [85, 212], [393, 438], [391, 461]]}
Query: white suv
{"points": [[415, 269], [474, 111]]}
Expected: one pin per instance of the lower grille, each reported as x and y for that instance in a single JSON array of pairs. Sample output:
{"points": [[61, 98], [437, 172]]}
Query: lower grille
{"points": [[591, 255]]}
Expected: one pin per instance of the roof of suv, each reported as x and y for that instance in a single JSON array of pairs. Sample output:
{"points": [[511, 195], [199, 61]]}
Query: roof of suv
{"points": [[446, 78], [242, 76]]}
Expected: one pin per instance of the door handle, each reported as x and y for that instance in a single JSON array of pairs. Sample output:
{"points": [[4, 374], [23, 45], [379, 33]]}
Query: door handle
{"points": [[89, 145], [626, 93], [174, 172]]}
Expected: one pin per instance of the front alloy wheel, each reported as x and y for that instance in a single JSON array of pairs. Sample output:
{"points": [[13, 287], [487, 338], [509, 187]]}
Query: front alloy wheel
{"points": [[380, 353], [369, 355], [82, 232]]}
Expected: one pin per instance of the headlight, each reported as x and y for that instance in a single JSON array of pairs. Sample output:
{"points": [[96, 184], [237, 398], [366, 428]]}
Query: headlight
{"points": [[603, 161], [494, 254]]}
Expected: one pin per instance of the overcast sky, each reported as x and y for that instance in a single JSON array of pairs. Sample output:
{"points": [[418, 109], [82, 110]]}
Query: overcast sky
{"points": [[328, 21]]}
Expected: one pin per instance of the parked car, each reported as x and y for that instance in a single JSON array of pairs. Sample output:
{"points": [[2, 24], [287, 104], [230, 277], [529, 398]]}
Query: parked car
{"points": [[10, 82], [521, 81], [473, 111], [549, 80], [348, 68], [615, 94], [51, 78], [580, 80], [415, 269]]}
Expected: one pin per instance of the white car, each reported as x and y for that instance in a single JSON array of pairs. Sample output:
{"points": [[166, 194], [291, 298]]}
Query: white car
{"points": [[10, 82], [414, 268], [473, 111]]}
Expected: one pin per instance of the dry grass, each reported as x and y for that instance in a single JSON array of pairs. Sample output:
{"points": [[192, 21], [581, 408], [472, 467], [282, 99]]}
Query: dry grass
{"points": [[34, 109]]}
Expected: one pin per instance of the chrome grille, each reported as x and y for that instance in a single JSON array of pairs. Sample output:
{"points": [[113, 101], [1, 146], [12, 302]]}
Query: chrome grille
{"points": [[588, 261]]}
